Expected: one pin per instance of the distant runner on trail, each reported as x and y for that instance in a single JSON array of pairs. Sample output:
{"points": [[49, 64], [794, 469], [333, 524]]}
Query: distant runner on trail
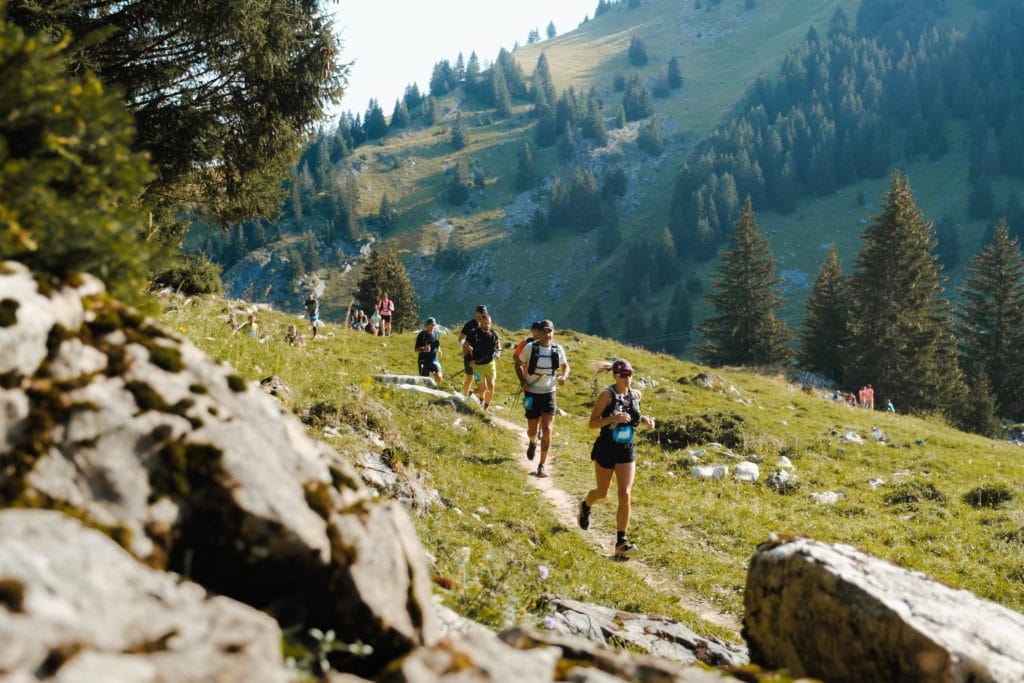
{"points": [[486, 348], [541, 368], [387, 309], [312, 307], [467, 348], [428, 345], [616, 414]]}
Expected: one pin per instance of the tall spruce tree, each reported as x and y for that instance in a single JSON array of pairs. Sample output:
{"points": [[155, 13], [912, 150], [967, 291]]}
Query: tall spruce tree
{"points": [[385, 273], [990, 325], [223, 94], [901, 327], [823, 336], [526, 171], [744, 294]]}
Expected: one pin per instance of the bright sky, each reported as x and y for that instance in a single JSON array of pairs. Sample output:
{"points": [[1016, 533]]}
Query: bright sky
{"points": [[395, 44]]}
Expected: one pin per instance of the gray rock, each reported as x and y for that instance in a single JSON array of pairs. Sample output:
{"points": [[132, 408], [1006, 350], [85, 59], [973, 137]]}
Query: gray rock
{"points": [[88, 611], [780, 480], [834, 612], [198, 470], [659, 636], [475, 656], [746, 471], [407, 379], [587, 658]]}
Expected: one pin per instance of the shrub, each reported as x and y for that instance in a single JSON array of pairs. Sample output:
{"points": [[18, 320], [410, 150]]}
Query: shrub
{"points": [[69, 180], [992, 496], [723, 428], [192, 274]]}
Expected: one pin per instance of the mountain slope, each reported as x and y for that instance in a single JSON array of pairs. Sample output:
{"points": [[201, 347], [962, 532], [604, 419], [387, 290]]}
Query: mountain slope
{"points": [[721, 49]]}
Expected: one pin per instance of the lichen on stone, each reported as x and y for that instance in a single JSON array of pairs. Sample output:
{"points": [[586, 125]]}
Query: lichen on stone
{"points": [[12, 595], [8, 312], [236, 383]]}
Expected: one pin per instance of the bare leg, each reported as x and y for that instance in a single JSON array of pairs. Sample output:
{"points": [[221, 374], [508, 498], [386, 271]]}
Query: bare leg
{"points": [[531, 429], [545, 438], [624, 473], [603, 476]]}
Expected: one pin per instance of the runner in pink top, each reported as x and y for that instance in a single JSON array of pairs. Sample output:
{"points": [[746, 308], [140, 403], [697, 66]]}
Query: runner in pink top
{"points": [[387, 308]]}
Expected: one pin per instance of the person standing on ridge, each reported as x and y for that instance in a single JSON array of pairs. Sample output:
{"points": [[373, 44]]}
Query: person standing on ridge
{"points": [[541, 368], [428, 345], [312, 307], [616, 414], [467, 348]]}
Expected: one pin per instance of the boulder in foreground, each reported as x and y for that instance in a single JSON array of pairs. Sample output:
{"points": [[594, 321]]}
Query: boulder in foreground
{"points": [[836, 613]]}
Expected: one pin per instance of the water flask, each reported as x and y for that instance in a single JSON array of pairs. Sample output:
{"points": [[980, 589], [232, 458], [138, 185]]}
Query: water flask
{"points": [[622, 434]]}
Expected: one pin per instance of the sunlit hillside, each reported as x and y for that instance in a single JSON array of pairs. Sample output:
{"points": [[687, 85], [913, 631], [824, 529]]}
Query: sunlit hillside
{"points": [[911, 490], [721, 48]]}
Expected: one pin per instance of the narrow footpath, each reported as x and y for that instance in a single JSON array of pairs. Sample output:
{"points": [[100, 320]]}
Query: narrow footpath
{"points": [[565, 504]]}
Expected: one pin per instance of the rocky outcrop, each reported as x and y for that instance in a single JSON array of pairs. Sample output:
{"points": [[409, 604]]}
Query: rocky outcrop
{"points": [[72, 601], [110, 416], [659, 636], [833, 612]]}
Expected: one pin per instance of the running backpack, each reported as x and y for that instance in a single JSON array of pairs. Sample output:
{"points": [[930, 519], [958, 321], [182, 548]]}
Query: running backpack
{"points": [[556, 357]]}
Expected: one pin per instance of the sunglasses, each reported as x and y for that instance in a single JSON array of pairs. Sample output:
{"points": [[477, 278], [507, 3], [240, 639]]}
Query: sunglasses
{"points": [[546, 329], [625, 373]]}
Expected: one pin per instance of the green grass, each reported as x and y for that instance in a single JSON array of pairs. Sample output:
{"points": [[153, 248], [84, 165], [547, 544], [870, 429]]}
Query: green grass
{"points": [[696, 536]]}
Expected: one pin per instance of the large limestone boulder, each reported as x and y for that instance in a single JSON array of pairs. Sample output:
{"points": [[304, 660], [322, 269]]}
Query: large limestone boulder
{"points": [[74, 606], [833, 612], [111, 415]]}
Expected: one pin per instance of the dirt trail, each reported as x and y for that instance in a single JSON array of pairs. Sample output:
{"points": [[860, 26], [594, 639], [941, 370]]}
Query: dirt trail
{"points": [[565, 505]]}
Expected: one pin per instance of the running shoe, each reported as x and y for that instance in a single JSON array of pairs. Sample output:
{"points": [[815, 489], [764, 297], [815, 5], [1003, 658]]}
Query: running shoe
{"points": [[625, 549], [540, 472], [531, 451], [584, 516]]}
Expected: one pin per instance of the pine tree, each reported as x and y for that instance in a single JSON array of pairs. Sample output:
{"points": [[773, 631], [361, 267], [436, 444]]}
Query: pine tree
{"points": [[824, 331], [551, 32], [69, 178], [637, 52], [679, 321], [990, 326], [650, 140], [525, 170], [744, 329], [458, 134], [674, 75], [499, 92], [223, 93], [595, 320], [901, 328], [636, 103], [374, 123], [399, 115], [949, 244], [384, 273], [979, 412]]}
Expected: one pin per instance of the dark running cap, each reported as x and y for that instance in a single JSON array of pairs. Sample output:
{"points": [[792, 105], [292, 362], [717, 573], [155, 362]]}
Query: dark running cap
{"points": [[535, 325], [431, 321], [620, 366], [481, 309]]}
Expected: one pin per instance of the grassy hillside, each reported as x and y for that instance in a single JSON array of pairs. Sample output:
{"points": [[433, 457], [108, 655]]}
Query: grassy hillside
{"points": [[928, 496], [722, 48]]}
